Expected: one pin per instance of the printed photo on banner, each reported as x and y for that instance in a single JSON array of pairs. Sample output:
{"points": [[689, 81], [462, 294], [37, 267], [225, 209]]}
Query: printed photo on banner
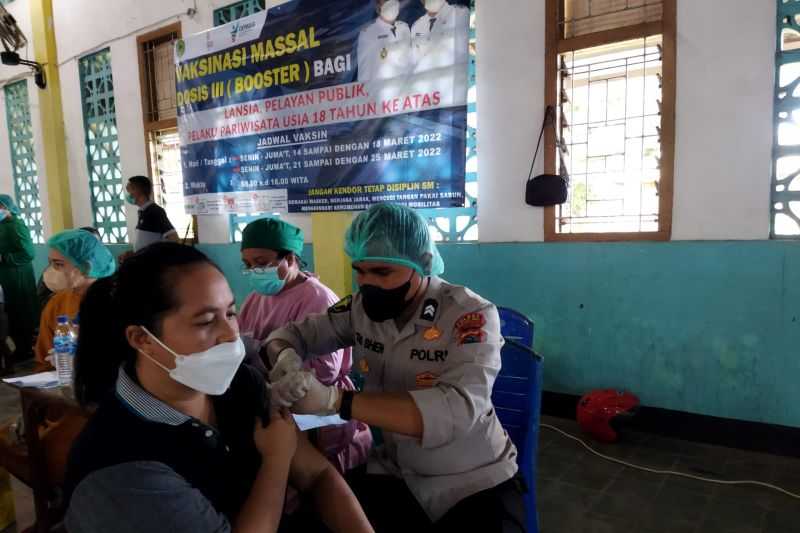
{"points": [[313, 107]]}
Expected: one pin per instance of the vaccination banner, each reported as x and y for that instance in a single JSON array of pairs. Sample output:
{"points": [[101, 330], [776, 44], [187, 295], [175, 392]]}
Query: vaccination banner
{"points": [[326, 105]]}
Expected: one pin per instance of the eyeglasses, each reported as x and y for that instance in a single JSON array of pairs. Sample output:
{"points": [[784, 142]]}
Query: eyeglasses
{"points": [[246, 271]]}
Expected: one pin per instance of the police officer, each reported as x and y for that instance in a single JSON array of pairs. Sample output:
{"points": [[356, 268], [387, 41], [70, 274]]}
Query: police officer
{"points": [[440, 37], [430, 352], [384, 47]]}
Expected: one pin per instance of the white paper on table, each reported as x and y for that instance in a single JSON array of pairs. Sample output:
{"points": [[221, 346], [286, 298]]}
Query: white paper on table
{"points": [[41, 380], [306, 422]]}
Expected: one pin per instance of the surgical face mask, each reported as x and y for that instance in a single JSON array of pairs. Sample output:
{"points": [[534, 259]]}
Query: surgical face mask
{"points": [[4, 214], [382, 304], [265, 280], [210, 372], [60, 280], [130, 199], [434, 6], [390, 10]]}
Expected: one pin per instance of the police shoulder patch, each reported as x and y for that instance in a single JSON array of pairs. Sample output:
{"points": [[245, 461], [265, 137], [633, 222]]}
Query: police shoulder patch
{"points": [[342, 306], [471, 321], [469, 328]]}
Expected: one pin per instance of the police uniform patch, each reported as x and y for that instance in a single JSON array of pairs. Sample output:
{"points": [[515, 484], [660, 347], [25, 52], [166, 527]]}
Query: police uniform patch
{"points": [[470, 321], [471, 336], [342, 306], [429, 309], [384, 53], [432, 333], [426, 380]]}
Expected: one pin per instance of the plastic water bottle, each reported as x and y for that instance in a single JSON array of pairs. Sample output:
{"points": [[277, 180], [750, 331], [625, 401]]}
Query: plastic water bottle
{"points": [[76, 327], [64, 350]]}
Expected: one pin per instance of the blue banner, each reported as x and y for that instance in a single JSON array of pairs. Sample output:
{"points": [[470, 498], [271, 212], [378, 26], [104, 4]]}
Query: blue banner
{"points": [[318, 106]]}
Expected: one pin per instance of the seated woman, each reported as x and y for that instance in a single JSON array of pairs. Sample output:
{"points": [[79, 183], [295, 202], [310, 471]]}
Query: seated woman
{"points": [[43, 292], [183, 439], [77, 259], [284, 293]]}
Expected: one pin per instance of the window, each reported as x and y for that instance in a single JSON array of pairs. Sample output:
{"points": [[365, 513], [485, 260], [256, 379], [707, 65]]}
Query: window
{"points": [[611, 77], [236, 11], [102, 147], [165, 159], [157, 74], [159, 103], [449, 224], [23, 161], [785, 219]]}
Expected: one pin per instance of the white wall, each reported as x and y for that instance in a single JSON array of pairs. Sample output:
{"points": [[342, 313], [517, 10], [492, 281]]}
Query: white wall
{"points": [[510, 79], [726, 64], [724, 99]]}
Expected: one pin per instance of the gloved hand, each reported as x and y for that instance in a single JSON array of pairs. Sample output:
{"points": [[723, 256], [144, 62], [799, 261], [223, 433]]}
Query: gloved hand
{"points": [[288, 361], [319, 399], [289, 389]]}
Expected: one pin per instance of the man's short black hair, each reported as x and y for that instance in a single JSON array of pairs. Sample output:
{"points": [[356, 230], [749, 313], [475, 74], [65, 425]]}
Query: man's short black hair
{"points": [[142, 183]]}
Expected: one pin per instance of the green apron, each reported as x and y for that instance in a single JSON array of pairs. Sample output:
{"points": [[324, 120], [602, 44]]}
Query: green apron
{"points": [[19, 284]]}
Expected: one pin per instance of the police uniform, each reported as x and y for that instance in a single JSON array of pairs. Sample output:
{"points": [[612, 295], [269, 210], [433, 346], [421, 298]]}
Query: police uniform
{"points": [[447, 357], [441, 40], [384, 51]]}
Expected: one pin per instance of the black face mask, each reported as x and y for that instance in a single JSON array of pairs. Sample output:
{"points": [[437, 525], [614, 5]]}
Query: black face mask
{"points": [[384, 304]]}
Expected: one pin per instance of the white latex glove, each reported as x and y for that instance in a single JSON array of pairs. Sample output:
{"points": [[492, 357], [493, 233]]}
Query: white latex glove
{"points": [[288, 362], [319, 399], [289, 389]]}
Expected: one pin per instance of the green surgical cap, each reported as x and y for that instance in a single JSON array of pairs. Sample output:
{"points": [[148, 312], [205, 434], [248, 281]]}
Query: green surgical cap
{"points": [[8, 202], [392, 233], [85, 251], [273, 234]]}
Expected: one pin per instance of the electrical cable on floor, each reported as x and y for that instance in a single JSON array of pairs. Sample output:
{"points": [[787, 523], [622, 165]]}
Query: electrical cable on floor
{"points": [[668, 472]]}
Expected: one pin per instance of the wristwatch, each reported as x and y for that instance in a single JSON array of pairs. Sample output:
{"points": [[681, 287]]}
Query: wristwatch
{"points": [[346, 407]]}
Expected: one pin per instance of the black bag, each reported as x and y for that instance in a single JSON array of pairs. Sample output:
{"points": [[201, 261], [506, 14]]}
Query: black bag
{"points": [[546, 189]]}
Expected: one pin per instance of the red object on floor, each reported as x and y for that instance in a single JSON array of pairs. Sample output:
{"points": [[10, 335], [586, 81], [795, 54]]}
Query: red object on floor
{"points": [[601, 412]]}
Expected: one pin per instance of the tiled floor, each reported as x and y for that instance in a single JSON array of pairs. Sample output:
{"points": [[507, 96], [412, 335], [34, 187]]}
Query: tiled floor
{"points": [[581, 493]]}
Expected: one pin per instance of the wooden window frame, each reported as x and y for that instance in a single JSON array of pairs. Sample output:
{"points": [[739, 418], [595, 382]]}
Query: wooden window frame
{"points": [[555, 45], [152, 126], [141, 40]]}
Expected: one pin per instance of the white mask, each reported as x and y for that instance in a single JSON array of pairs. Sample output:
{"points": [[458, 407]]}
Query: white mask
{"points": [[210, 372], [4, 214], [434, 6], [390, 10], [55, 280]]}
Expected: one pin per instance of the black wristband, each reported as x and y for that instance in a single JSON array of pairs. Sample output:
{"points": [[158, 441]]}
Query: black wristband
{"points": [[346, 407]]}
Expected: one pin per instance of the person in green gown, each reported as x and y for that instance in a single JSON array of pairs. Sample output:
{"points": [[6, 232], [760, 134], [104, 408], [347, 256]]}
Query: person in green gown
{"points": [[17, 279]]}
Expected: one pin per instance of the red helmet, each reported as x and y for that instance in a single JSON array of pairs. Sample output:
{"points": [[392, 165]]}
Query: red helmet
{"points": [[601, 412]]}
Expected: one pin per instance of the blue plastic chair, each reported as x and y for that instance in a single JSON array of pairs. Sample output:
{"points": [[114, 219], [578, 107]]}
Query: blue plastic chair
{"points": [[517, 398]]}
